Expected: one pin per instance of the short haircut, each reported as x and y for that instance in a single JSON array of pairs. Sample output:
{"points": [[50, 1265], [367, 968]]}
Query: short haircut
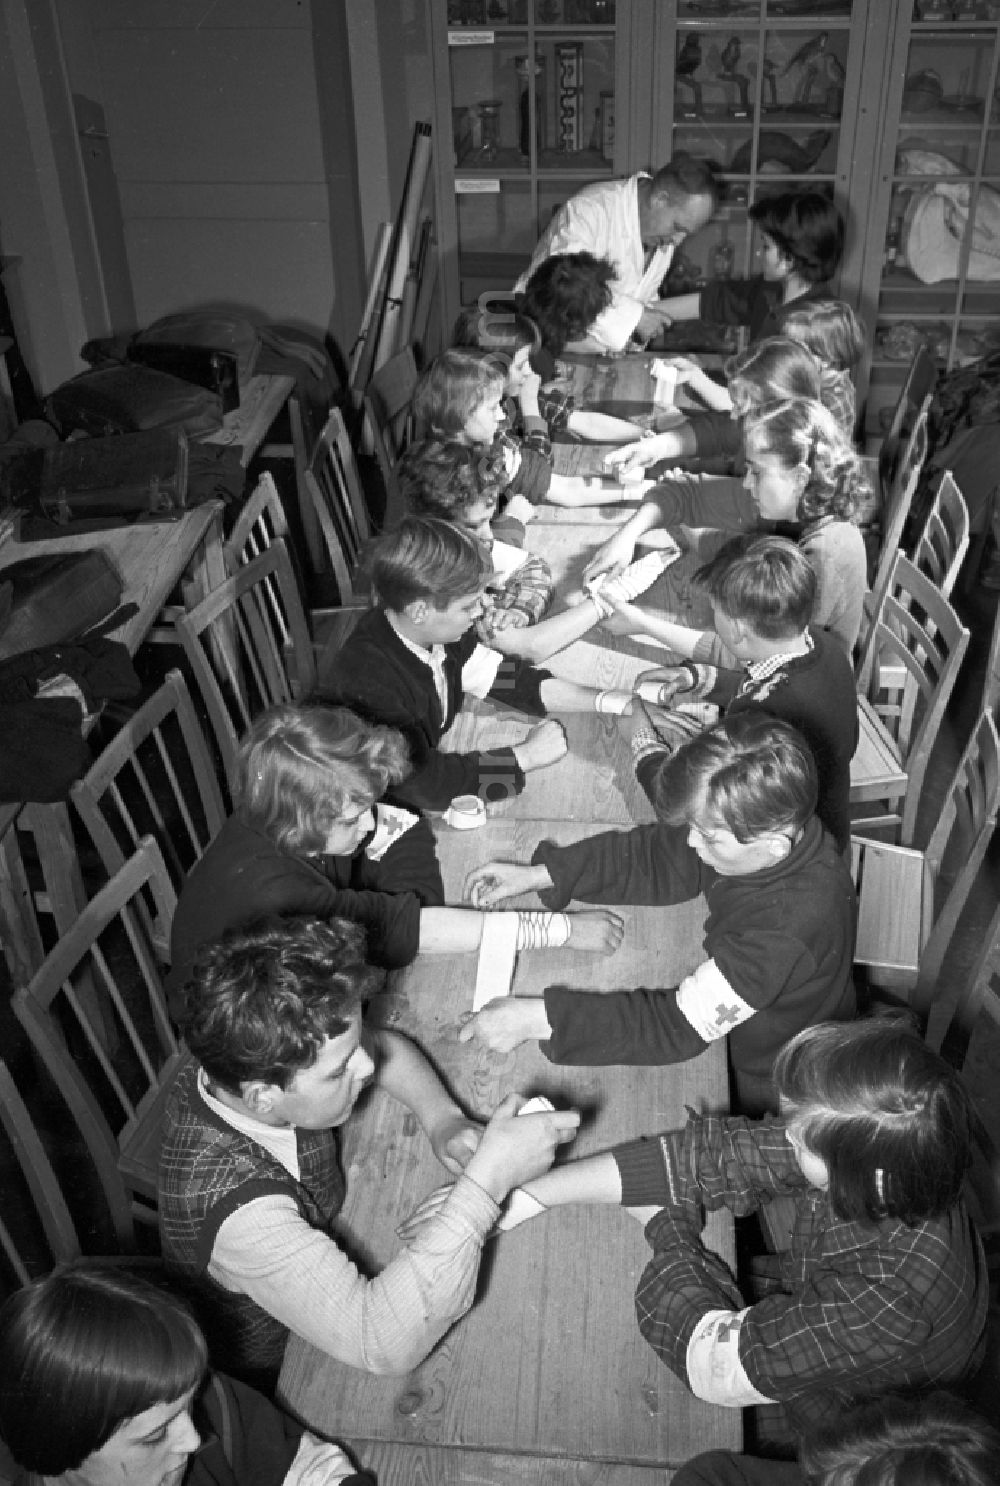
{"points": [[83, 1351], [499, 327], [438, 477], [828, 328], [565, 295], [807, 228], [451, 389], [773, 369], [299, 769], [262, 1001], [931, 1440], [423, 557], [805, 434], [766, 582], [752, 772], [888, 1116], [688, 175]]}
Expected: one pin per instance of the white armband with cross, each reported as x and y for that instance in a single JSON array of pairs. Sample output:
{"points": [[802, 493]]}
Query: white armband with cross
{"points": [[707, 1000], [715, 1372]]}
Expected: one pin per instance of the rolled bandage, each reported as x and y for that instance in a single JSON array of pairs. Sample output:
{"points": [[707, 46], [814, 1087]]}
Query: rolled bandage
{"points": [[519, 1208], [633, 580], [616, 703], [542, 930], [664, 383]]}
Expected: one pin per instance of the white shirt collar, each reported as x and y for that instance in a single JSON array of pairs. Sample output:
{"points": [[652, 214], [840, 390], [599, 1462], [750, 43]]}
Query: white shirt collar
{"points": [[278, 1140]]}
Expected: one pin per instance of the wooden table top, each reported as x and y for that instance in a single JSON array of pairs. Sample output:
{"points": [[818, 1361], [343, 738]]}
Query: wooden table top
{"points": [[549, 1362], [261, 399]]}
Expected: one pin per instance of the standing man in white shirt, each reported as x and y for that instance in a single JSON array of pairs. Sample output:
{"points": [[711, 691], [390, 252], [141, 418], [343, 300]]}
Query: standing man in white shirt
{"points": [[636, 224]]}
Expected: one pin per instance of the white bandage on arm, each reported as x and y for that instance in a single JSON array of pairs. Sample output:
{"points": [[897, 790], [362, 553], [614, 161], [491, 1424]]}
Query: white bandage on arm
{"points": [[715, 1372], [480, 671], [318, 1463], [710, 1004]]}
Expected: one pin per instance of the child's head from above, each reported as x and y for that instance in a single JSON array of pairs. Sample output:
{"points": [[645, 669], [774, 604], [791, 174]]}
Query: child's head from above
{"points": [[761, 588], [460, 397], [800, 465], [772, 370], [278, 1006], [884, 1117], [930, 1439], [454, 482], [307, 777], [803, 233], [565, 295], [430, 573], [505, 336], [745, 789], [828, 328]]}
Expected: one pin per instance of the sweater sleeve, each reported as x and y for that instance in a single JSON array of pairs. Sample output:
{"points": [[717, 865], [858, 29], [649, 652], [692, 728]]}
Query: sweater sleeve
{"points": [[716, 434], [649, 864], [303, 1278], [731, 301], [495, 776], [718, 501], [638, 1028]]}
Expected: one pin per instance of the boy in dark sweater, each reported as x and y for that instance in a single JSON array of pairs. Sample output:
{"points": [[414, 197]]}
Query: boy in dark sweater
{"points": [[762, 591], [736, 807]]}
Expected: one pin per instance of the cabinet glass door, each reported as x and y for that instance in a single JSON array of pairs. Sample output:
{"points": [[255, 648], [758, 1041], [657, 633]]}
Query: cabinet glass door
{"points": [[938, 281]]}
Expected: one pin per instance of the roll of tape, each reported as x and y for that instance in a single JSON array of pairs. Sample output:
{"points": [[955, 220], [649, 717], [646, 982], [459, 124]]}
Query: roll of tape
{"points": [[466, 813]]}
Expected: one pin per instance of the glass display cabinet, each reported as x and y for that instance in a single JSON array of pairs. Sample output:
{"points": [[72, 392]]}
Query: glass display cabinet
{"points": [[932, 269]]}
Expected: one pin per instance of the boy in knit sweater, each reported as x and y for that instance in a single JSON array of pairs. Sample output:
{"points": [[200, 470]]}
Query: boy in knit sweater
{"points": [[736, 809]]}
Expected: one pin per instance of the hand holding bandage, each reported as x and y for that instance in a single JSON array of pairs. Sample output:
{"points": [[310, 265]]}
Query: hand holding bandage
{"points": [[607, 593]]}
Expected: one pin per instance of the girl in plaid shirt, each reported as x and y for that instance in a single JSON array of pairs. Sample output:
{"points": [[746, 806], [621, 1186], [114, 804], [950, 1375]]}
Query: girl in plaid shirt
{"points": [[884, 1284]]}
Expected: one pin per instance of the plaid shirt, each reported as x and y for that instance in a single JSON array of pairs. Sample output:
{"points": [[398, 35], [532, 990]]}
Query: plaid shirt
{"points": [[863, 1307]]}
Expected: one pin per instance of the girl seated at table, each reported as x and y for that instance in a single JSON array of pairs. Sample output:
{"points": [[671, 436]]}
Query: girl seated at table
{"points": [[104, 1381], [461, 399], [712, 442], [311, 835], [884, 1283], [834, 334], [800, 469]]}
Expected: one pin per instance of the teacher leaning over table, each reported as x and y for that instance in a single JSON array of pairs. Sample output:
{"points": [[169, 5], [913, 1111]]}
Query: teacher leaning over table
{"points": [[636, 223]]}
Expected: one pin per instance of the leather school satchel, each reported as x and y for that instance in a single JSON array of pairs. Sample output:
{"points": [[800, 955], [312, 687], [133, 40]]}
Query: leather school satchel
{"points": [[128, 399], [54, 598]]}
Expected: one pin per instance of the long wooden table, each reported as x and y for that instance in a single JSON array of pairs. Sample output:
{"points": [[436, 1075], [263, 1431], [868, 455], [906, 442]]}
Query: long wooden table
{"points": [[547, 1379], [151, 557]]}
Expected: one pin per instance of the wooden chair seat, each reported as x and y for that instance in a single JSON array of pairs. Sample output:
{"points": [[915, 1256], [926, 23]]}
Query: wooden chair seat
{"points": [[895, 906], [877, 771]]}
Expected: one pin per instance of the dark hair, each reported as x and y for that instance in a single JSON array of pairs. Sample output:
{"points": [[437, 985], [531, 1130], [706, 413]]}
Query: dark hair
{"points": [[933, 1440], [828, 328], [451, 389], [806, 435], [262, 1001], [299, 769], [772, 369], [497, 326], [423, 557], [889, 1117], [83, 1351], [766, 582], [565, 295], [687, 175], [442, 478], [754, 773], [807, 228]]}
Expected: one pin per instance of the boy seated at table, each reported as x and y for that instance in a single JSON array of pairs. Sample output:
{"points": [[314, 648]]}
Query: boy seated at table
{"points": [[763, 592], [411, 660], [249, 1180], [736, 811]]}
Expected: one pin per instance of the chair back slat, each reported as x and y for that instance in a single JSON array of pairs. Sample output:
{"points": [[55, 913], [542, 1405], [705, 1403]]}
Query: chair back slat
{"points": [[944, 540], [261, 522], [249, 646], [36, 1227], [388, 422]]}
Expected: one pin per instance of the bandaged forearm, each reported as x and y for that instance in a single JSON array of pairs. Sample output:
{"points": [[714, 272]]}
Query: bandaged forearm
{"points": [[542, 930], [714, 1370]]}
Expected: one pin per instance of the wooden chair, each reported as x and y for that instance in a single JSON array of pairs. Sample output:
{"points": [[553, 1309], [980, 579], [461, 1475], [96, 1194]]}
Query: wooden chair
{"points": [[944, 540], [249, 646], [387, 426], [96, 1015], [917, 389], [911, 663], [261, 522], [156, 777], [909, 901], [341, 504]]}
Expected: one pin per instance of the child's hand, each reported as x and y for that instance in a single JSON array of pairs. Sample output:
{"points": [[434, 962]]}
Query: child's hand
{"points": [[503, 1024], [611, 556], [634, 457], [455, 1140], [545, 744], [513, 1150], [528, 389], [665, 681], [686, 369], [493, 883], [597, 930]]}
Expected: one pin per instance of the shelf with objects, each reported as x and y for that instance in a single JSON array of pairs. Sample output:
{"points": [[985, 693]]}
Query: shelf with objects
{"points": [[932, 276], [770, 90], [531, 94]]}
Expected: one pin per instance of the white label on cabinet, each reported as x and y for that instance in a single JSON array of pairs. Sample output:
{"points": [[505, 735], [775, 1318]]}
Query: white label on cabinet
{"points": [[477, 186], [471, 38]]}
